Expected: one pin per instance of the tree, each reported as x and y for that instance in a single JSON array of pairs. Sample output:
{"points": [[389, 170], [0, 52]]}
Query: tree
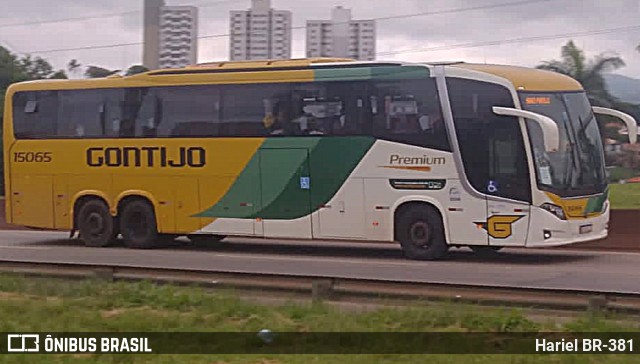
{"points": [[589, 73], [15, 69], [10, 71], [134, 70], [73, 66], [36, 68], [59, 75], [98, 72]]}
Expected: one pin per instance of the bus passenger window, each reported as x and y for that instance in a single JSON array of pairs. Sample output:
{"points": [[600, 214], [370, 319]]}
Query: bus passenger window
{"points": [[149, 115], [255, 110], [80, 114], [35, 114], [408, 112], [329, 108], [189, 111]]}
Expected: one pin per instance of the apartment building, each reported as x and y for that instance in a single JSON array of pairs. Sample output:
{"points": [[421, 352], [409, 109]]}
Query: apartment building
{"points": [[178, 36], [170, 35], [341, 36], [260, 33]]}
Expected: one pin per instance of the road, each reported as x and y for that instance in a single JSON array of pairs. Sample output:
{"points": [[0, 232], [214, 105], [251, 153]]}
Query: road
{"points": [[549, 269]]}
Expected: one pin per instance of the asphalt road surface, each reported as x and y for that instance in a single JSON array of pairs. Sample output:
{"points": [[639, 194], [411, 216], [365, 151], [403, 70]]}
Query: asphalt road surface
{"points": [[535, 268]]}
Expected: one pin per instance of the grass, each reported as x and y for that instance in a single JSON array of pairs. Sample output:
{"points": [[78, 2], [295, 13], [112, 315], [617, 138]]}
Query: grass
{"points": [[51, 305], [624, 196]]}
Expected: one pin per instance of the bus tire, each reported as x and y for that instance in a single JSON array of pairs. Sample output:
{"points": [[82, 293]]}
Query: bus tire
{"points": [[421, 233], [138, 225], [204, 241], [95, 224]]}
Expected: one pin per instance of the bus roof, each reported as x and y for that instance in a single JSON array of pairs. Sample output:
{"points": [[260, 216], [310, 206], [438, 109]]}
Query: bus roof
{"points": [[279, 63], [309, 69], [529, 79]]}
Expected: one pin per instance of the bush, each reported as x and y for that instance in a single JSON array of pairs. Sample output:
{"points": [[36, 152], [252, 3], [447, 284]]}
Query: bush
{"points": [[620, 173]]}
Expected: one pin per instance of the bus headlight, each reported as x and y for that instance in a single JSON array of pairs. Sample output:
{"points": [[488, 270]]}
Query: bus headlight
{"points": [[554, 209]]}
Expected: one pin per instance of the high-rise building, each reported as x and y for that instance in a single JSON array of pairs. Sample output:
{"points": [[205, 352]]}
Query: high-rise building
{"points": [[178, 36], [260, 33], [170, 35], [342, 37], [152, 9]]}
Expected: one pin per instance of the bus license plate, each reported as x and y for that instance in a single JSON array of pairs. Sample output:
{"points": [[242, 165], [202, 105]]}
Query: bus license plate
{"points": [[586, 229]]}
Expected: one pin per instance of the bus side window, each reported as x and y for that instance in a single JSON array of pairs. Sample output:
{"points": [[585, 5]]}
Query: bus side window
{"points": [[304, 100], [112, 112], [350, 118], [255, 110], [329, 108], [35, 114], [80, 114], [130, 109], [189, 111], [408, 112], [149, 115]]}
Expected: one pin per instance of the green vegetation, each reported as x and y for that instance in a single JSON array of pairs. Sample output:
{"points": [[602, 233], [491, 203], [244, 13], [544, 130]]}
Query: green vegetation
{"points": [[14, 68], [50, 305], [624, 196], [620, 173], [589, 73]]}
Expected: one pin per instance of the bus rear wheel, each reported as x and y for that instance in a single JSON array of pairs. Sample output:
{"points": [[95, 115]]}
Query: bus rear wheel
{"points": [[421, 233], [138, 226], [95, 224]]}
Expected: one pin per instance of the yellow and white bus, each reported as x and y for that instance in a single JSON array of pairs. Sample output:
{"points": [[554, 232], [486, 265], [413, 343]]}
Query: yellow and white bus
{"points": [[428, 155]]}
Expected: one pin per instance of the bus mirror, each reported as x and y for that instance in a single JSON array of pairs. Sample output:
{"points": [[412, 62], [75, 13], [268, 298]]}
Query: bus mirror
{"points": [[550, 131], [630, 122]]}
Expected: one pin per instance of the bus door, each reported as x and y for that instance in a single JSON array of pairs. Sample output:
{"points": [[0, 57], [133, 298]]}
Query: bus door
{"points": [[285, 184], [507, 219], [494, 158]]}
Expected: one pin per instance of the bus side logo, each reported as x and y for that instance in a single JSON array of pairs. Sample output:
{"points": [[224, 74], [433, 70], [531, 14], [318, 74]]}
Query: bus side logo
{"points": [[194, 157], [499, 226]]}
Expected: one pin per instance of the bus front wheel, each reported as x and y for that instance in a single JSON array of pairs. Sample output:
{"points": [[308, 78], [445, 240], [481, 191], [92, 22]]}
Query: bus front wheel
{"points": [[138, 225], [95, 224], [421, 233]]}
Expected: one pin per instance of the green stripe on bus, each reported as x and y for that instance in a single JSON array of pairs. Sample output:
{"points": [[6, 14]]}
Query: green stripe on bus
{"points": [[596, 203], [275, 187], [371, 73]]}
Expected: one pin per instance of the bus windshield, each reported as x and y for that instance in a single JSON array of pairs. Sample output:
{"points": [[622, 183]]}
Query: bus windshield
{"points": [[577, 168]]}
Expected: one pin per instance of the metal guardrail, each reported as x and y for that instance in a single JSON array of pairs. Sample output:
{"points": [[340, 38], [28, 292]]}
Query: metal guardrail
{"points": [[335, 289]]}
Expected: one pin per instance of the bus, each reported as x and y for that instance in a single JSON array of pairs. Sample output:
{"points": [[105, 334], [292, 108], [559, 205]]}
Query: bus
{"points": [[429, 155]]}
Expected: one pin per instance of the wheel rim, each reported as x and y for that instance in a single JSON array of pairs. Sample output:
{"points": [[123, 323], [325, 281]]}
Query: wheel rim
{"points": [[420, 234], [95, 224], [137, 225]]}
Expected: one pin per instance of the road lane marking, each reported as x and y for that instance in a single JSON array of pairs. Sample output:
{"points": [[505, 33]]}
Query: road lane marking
{"points": [[298, 258], [25, 247]]}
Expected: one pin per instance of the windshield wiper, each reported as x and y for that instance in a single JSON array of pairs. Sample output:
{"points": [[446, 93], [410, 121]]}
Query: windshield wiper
{"points": [[589, 148], [570, 165]]}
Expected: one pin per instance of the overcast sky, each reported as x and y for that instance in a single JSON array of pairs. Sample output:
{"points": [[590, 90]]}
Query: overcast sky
{"points": [[450, 30]]}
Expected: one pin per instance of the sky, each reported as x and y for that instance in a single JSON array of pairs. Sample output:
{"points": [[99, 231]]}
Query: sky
{"points": [[453, 33]]}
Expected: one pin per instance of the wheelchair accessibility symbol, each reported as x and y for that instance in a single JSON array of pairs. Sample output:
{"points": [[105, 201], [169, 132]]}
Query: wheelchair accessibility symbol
{"points": [[305, 183], [492, 187]]}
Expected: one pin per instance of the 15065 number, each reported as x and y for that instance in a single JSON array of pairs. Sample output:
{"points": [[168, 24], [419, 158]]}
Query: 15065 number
{"points": [[32, 157]]}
